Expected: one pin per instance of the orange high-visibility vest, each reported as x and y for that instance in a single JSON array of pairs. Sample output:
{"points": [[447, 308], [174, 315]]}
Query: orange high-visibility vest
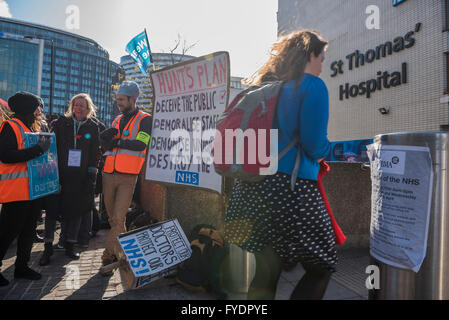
{"points": [[123, 160], [14, 185]]}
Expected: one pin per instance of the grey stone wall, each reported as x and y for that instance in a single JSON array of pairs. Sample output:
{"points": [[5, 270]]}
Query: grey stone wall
{"points": [[347, 186], [348, 189]]}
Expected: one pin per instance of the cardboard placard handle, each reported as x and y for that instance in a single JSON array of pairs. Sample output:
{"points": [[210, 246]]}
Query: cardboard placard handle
{"points": [[112, 266]]}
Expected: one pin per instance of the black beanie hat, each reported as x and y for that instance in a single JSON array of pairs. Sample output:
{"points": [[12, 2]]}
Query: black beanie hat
{"points": [[23, 102]]}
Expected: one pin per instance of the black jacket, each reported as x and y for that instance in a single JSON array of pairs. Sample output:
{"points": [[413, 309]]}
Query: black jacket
{"points": [[9, 152], [87, 141], [76, 188]]}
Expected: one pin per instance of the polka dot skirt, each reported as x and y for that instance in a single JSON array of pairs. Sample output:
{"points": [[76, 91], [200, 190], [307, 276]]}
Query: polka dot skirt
{"points": [[295, 223]]}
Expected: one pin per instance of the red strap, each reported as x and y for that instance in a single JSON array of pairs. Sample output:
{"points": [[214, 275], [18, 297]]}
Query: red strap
{"points": [[340, 238]]}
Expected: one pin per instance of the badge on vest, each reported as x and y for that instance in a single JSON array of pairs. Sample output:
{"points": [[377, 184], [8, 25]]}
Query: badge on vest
{"points": [[74, 158], [143, 137]]}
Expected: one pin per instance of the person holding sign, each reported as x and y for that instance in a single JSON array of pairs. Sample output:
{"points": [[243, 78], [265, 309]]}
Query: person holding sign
{"points": [[77, 137], [282, 226], [19, 214], [127, 142]]}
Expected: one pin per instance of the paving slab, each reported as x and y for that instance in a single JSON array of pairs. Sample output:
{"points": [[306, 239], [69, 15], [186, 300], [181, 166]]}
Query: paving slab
{"points": [[348, 283]]}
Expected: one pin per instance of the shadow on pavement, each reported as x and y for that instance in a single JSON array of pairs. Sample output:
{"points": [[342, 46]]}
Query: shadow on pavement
{"points": [[93, 289]]}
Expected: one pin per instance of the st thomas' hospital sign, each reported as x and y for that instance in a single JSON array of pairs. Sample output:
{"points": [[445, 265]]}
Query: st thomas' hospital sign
{"points": [[384, 79]]}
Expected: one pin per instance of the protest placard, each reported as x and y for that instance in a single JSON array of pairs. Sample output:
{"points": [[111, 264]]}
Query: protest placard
{"points": [[43, 175], [154, 251], [188, 98], [402, 180]]}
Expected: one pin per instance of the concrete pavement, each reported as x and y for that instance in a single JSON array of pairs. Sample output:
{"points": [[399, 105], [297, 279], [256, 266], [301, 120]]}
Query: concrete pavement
{"points": [[60, 280]]}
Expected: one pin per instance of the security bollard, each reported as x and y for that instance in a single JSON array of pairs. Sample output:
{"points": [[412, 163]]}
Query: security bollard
{"points": [[241, 267]]}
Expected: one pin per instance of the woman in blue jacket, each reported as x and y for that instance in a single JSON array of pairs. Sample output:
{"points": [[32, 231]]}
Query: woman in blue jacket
{"points": [[280, 226]]}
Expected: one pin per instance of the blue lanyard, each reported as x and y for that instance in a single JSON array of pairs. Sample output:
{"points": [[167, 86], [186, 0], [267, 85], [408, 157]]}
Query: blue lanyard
{"points": [[76, 128]]}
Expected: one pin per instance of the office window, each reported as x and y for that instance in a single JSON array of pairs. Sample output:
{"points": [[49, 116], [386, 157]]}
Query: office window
{"points": [[446, 16], [446, 88]]}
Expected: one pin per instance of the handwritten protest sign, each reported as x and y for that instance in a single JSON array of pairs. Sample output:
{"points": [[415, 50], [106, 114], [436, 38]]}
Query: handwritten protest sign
{"points": [[188, 99], [155, 251], [43, 173]]}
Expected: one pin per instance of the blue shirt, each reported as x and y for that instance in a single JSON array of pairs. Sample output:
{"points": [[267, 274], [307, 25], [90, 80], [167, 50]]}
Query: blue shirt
{"points": [[310, 119]]}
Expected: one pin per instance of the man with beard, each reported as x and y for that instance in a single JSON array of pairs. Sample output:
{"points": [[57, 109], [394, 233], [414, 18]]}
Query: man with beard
{"points": [[126, 141]]}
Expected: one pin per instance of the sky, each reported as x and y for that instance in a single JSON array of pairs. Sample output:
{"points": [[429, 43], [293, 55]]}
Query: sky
{"points": [[244, 28]]}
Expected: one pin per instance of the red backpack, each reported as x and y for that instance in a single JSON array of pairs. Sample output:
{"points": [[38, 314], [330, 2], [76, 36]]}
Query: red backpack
{"points": [[253, 111]]}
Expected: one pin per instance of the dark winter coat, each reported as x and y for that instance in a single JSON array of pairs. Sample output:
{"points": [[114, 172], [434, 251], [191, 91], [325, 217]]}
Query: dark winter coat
{"points": [[9, 151], [77, 188]]}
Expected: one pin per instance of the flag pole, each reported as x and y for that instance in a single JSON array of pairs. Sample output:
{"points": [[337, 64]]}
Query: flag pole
{"points": [[148, 43]]}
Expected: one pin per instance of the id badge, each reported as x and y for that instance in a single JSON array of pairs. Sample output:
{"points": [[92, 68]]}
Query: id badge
{"points": [[74, 158]]}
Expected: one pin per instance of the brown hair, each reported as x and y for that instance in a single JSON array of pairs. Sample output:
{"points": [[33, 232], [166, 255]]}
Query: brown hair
{"points": [[3, 115], [289, 56], [39, 121]]}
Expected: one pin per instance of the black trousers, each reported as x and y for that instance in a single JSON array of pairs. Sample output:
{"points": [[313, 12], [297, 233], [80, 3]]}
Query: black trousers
{"points": [[19, 219], [312, 285], [51, 214]]}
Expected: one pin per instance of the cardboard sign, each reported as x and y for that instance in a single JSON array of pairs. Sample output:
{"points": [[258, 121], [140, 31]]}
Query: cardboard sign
{"points": [[43, 174], [402, 181], [188, 99], [154, 251]]}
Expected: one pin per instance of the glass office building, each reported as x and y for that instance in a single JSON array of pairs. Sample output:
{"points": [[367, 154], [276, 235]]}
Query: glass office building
{"points": [[71, 64], [19, 61]]}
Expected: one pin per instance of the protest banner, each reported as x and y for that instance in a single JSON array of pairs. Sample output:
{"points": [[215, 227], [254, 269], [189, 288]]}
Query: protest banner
{"points": [[349, 151], [188, 99], [43, 172], [152, 252], [402, 181]]}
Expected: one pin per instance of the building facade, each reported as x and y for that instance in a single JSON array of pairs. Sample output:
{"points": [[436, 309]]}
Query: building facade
{"points": [[132, 71], [386, 66], [20, 65], [235, 87], [71, 64]]}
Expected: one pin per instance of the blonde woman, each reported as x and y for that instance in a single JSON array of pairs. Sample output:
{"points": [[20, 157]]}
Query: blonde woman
{"points": [[77, 137], [281, 226]]}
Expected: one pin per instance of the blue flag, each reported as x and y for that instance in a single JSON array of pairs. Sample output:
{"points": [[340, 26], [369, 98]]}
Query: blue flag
{"points": [[139, 49]]}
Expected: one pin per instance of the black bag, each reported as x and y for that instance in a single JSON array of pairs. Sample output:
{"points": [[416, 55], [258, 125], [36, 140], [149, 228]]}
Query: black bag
{"points": [[137, 218], [204, 270]]}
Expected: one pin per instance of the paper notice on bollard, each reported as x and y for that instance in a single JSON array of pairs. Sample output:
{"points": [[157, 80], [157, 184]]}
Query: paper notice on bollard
{"points": [[402, 180]]}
